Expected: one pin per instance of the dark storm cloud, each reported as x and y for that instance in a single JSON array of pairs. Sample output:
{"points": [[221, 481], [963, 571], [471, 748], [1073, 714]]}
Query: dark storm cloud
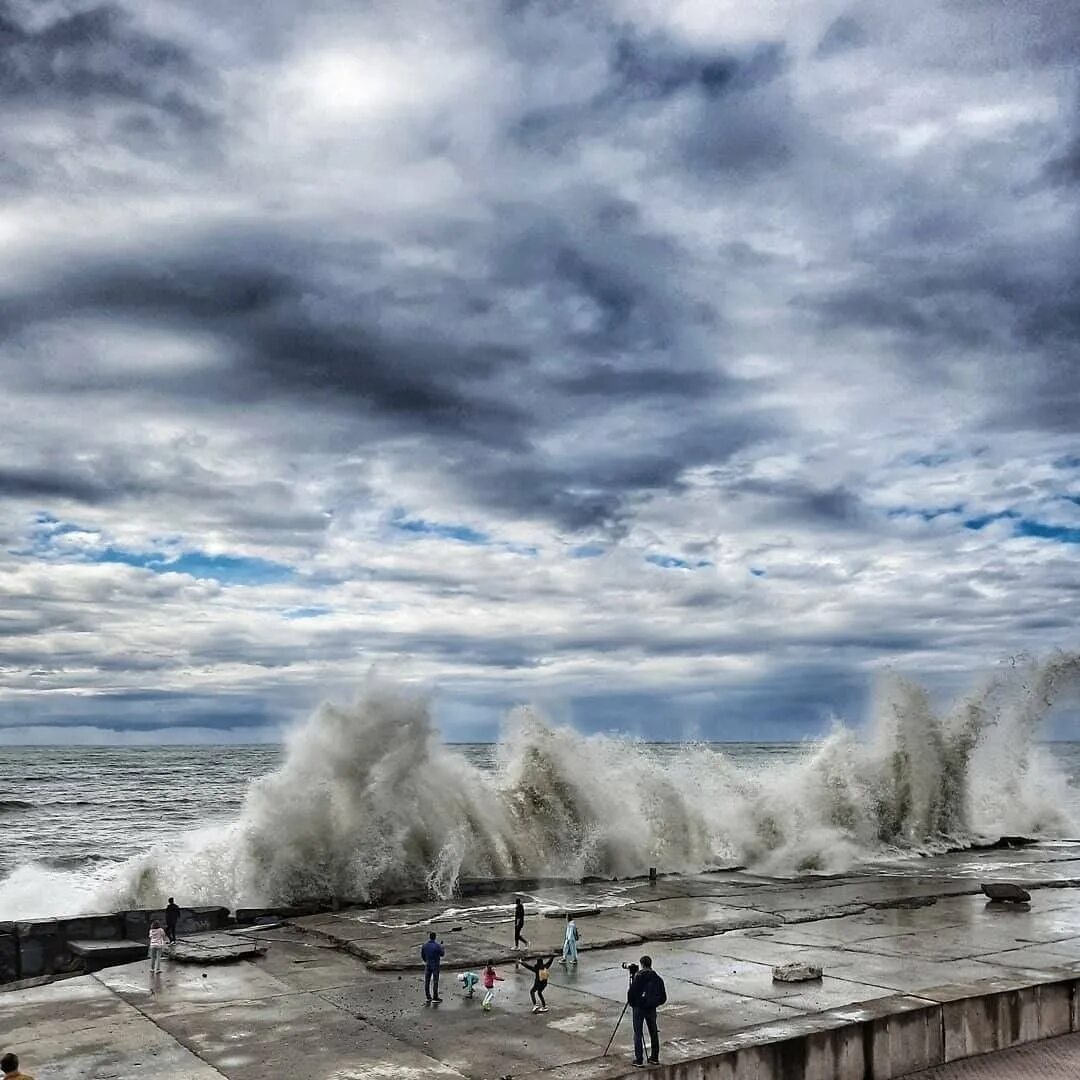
{"points": [[727, 110], [690, 287], [97, 56]]}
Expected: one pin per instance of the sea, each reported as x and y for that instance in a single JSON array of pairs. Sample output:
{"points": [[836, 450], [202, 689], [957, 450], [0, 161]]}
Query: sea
{"points": [[367, 800]]}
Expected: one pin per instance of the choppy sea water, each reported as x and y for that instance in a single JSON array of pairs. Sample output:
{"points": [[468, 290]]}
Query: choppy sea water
{"points": [[72, 818], [76, 808]]}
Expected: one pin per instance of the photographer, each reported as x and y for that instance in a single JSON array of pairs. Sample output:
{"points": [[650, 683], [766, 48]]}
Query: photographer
{"points": [[645, 995]]}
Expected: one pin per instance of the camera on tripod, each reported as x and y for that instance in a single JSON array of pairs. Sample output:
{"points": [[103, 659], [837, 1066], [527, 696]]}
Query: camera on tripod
{"points": [[631, 967]]}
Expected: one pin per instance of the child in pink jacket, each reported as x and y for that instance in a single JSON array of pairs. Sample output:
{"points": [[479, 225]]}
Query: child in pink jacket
{"points": [[489, 978]]}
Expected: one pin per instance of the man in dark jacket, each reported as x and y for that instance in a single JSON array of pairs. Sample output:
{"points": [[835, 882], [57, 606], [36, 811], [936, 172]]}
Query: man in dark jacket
{"points": [[519, 924], [646, 994], [172, 917], [431, 952]]}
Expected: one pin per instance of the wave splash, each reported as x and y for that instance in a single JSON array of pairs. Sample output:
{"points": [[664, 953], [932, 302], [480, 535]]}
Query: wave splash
{"points": [[369, 802]]}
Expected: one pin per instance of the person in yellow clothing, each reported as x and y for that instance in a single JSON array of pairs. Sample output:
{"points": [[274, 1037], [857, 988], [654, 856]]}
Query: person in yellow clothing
{"points": [[9, 1066]]}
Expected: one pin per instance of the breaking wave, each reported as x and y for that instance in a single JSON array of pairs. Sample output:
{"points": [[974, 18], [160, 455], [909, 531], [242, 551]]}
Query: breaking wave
{"points": [[369, 802]]}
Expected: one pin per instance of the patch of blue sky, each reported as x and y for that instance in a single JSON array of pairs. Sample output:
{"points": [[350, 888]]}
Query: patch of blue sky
{"points": [[47, 524], [587, 551], [673, 562], [1067, 461], [1063, 534], [757, 571], [927, 513], [228, 569], [463, 533], [313, 612], [982, 520]]}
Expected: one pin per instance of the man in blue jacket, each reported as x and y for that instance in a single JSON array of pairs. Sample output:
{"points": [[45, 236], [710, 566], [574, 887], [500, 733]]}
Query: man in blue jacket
{"points": [[646, 994], [431, 952]]}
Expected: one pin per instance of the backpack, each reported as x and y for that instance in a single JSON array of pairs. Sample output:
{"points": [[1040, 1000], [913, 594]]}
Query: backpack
{"points": [[543, 974], [654, 993]]}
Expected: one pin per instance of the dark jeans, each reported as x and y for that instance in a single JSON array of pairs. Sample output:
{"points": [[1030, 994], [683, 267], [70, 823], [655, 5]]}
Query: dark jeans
{"points": [[518, 936], [642, 1018], [170, 931], [431, 983], [537, 991]]}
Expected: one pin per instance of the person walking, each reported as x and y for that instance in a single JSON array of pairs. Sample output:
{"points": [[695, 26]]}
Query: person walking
{"points": [[172, 917], [519, 924], [570, 941], [645, 995], [541, 971], [9, 1066], [432, 952], [489, 979], [157, 946]]}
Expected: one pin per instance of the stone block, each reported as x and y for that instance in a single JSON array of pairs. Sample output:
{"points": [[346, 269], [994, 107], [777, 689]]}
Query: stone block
{"points": [[192, 921], [1005, 891], [906, 1042], [9, 953], [200, 919], [978, 1025], [1054, 1008], [92, 927], [796, 971], [43, 948]]}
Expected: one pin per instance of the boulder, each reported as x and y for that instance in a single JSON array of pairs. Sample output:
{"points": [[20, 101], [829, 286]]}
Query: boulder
{"points": [[797, 971], [1006, 890]]}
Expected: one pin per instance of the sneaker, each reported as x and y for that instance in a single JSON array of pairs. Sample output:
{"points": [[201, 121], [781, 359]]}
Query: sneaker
{"points": [[638, 1064], [544, 1009], [436, 999], [536, 1008], [654, 1061]]}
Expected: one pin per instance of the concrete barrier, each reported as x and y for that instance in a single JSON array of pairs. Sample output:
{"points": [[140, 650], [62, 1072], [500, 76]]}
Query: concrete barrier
{"points": [[41, 947], [886, 1038], [193, 920], [9, 953]]}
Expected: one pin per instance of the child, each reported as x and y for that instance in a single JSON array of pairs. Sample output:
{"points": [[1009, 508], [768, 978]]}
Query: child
{"points": [[569, 949], [468, 980], [489, 979], [157, 946], [541, 970]]}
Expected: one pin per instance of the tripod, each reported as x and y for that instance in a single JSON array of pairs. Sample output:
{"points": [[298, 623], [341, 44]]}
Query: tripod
{"points": [[632, 970]]}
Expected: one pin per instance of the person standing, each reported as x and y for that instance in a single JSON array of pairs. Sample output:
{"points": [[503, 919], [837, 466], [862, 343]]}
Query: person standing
{"points": [[489, 979], [432, 952], [541, 971], [569, 949], [645, 995], [172, 917], [9, 1066], [519, 925], [157, 946]]}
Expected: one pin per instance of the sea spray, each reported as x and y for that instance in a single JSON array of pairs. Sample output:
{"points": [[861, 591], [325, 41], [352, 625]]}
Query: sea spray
{"points": [[369, 802]]}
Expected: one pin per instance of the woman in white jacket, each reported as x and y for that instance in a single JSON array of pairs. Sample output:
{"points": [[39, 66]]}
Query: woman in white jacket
{"points": [[157, 946]]}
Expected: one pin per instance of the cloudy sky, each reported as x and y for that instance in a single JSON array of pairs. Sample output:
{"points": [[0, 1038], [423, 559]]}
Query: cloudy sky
{"points": [[675, 365]]}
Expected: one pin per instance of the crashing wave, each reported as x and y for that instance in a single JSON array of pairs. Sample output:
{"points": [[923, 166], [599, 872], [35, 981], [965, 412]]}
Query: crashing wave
{"points": [[369, 802]]}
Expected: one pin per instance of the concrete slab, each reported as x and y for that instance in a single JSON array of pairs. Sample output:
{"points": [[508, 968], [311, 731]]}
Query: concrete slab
{"points": [[310, 1007], [79, 1028]]}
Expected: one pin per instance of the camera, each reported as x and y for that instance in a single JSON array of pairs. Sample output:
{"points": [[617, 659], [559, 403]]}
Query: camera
{"points": [[632, 968]]}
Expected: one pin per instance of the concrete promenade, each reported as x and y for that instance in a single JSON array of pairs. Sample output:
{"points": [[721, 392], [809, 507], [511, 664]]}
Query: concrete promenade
{"points": [[339, 997]]}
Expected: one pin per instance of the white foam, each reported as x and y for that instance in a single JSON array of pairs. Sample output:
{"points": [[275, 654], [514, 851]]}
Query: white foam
{"points": [[369, 801]]}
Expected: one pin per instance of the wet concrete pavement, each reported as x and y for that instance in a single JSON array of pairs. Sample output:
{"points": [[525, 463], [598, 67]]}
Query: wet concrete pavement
{"points": [[339, 997]]}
